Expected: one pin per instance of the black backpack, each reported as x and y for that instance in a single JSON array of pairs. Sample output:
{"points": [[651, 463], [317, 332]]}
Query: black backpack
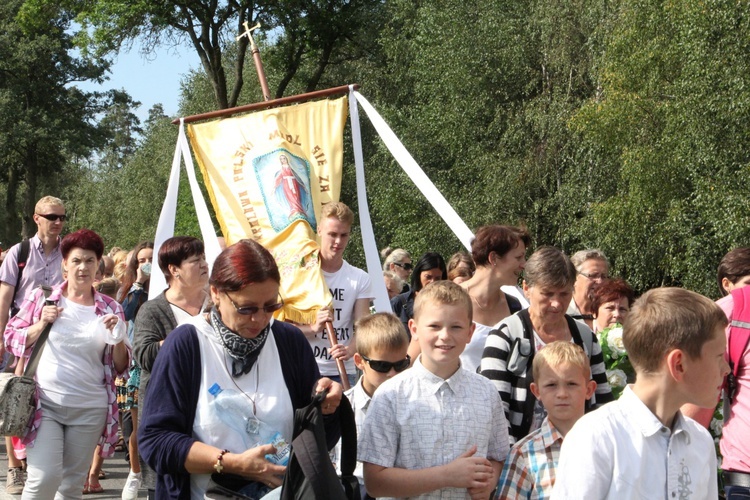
{"points": [[310, 474]]}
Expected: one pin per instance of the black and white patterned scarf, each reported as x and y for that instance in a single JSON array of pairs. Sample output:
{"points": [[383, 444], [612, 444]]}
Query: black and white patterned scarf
{"points": [[244, 352]]}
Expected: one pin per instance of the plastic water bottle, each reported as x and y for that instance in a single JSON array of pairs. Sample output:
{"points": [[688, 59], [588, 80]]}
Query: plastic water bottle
{"points": [[113, 336], [235, 410]]}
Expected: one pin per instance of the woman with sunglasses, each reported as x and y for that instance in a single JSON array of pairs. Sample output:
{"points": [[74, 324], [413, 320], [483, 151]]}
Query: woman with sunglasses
{"points": [[398, 261], [236, 347], [183, 262]]}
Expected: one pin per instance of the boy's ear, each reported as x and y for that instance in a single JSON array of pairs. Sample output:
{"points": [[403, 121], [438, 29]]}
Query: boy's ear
{"points": [[675, 362], [590, 388], [471, 329], [535, 390], [358, 361], [413, 328]]}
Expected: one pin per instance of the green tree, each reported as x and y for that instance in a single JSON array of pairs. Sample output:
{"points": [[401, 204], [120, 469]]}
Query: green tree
{"points": [[44, 119]]}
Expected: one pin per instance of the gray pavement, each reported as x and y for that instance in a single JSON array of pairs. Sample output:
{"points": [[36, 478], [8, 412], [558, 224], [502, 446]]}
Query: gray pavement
{"points": [[116, 468]]}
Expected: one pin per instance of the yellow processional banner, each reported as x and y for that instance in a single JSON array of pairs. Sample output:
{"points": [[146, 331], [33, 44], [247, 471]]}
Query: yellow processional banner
{"points": [[268, 174]]}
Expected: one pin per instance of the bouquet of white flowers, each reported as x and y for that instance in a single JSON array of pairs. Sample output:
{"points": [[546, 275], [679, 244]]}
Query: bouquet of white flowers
{"points": [[619, 370]]}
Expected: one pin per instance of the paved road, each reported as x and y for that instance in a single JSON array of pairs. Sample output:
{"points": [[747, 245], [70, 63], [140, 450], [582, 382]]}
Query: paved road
{"points": [[116, 468]]}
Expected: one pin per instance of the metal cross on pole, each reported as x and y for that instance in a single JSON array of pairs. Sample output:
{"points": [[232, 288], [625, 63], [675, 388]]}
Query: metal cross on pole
{"points": [[256, 58]]}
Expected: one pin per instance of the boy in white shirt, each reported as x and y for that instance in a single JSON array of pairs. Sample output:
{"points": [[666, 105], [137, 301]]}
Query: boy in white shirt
{"points": [[436, 430], [641, 446]]}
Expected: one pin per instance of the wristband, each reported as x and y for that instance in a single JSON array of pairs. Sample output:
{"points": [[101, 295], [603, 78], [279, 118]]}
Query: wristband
{"points": [[219, 466]]}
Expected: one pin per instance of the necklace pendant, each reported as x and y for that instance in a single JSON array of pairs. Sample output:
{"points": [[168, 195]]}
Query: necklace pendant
{"points": [[253, 425]]}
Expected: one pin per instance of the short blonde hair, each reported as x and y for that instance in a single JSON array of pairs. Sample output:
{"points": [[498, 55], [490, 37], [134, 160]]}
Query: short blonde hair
{"points": [[444, 293], [48, 201], [380, 331], [664, 319], [337, 210], [558, 353], [390, 255]]}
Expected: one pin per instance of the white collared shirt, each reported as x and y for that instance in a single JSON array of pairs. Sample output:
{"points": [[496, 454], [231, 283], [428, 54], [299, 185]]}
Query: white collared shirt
{"points": [[418, 420], [622, 451]]}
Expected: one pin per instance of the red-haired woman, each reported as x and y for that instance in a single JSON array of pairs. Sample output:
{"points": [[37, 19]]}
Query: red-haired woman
{"points": [[234, 351], [76, 404], [611, 302], [499, 253]]}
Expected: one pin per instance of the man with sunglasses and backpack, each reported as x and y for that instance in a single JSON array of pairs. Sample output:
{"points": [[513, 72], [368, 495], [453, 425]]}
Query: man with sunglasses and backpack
{"points": [[33, 262]]}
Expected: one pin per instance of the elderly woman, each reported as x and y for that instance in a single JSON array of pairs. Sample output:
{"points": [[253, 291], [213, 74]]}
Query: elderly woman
{"points": [[76, 406], [393, 284], [500, 256], [592, 267], [238, 348], [509, 350], [611, 303], [398, 261]]}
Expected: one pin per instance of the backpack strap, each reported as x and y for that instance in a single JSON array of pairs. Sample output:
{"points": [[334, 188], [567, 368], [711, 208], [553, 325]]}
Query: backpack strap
{"points": [[585, 341], [739, 327], [528, 406], [23, 257]]}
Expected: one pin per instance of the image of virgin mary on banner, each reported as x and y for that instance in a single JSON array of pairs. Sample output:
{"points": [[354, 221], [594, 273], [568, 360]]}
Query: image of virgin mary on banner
{"points": [[268, 174]]}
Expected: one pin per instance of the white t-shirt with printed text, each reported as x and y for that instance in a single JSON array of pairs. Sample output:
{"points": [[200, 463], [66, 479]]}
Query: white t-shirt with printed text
{"points": [[347, 285]]}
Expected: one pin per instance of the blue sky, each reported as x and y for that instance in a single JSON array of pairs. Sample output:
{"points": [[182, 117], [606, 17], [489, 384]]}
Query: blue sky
{"points": [[151, 80]]}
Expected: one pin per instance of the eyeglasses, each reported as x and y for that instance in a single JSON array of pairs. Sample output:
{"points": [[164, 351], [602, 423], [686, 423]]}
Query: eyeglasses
{"points": [[53, 217], [594, 276], [251, 310], [406, 267], [385, 366]]}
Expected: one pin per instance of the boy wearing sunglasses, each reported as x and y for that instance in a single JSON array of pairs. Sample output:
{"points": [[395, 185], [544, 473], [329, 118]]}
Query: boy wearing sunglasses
{"points": [[437, 428], [381, 353]]}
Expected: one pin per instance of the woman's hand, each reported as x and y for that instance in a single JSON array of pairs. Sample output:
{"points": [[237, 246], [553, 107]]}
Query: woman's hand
{"points": [[252, 464], [50, 314], [140, 276], [333, 399], [110, 321]]}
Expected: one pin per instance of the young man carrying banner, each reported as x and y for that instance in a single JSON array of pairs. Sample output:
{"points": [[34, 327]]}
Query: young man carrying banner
{"points": [[350, 288]]}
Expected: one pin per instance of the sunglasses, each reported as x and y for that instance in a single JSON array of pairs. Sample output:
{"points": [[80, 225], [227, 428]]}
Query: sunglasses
{"points": [[405, 267], [250, 310], [53, 217], [385, 366]]}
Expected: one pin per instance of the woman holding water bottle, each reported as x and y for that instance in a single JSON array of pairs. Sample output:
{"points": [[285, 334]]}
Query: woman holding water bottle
{"points": [[86, 348], [220, 406]]}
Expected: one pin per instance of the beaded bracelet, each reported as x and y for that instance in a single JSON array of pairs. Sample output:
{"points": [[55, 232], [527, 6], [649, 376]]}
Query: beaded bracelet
{"points": [[219, 466]]}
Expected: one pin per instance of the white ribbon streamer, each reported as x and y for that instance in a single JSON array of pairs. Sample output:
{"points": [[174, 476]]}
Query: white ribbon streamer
{"points": [[165, 227], [382, 304], [416, 174]]}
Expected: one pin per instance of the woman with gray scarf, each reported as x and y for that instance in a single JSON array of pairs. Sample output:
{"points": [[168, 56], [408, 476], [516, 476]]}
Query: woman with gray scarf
{"points": [[237, 351]]}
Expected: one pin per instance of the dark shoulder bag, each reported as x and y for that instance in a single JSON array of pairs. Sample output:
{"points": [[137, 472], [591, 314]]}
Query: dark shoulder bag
{"points": [[17, 392], [310, 474]]}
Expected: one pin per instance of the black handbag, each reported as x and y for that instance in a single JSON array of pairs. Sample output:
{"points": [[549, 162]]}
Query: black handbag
{"points": [[17, 391], [310, 474]]}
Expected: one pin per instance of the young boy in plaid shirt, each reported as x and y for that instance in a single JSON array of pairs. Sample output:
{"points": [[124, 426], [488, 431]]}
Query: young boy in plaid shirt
{"points": [[561, 382]]}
